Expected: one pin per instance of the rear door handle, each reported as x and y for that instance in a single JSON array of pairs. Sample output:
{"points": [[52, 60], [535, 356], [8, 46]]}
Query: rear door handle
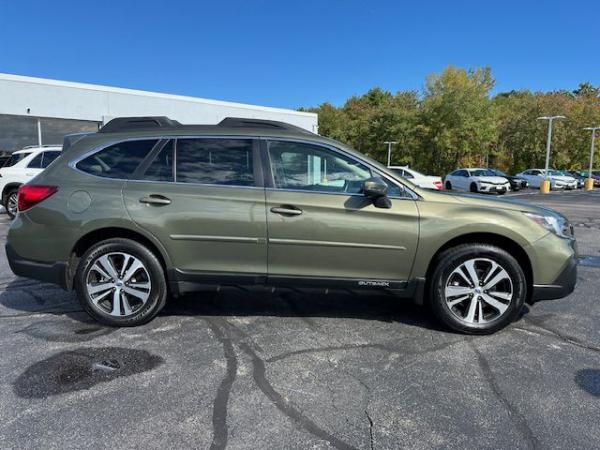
{"points": [[155, 199], [286, 210]]}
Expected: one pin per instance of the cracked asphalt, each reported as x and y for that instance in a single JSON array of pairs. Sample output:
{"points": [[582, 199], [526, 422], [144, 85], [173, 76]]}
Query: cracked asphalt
{"points": [[255, 369]]}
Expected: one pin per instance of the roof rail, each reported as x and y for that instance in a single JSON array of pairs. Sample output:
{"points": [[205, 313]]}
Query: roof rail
{"points": [[240, 122], [137, 123], [40, 146], [121, 124]]}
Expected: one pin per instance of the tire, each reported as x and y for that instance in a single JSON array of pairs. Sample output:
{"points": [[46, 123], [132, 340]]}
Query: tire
{"points": [[139, 301], [448, 287], [448, 186], [10, 203], [473, 188]]}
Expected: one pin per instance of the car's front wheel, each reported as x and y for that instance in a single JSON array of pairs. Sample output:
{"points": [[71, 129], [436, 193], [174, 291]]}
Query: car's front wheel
{"points": [[120, 282], [477, 288], [474, 188], [448, 186]]}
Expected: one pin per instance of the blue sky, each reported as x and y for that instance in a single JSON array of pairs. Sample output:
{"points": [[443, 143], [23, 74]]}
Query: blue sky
{"points": [[291, 54]]}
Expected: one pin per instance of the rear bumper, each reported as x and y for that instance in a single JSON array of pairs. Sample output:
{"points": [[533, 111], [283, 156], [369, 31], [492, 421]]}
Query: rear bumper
{"points": [[562, 286], [54, 273]]}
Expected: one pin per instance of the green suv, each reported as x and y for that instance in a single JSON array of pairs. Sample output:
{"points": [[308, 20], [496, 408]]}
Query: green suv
{"points": [[148, 208]]}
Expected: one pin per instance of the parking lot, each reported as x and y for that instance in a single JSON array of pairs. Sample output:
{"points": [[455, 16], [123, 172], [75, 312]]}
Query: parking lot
{"points": [[251, 368]]}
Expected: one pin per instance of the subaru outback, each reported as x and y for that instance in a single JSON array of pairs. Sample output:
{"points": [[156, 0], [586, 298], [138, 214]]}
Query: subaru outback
{"points": [[147, 208]]}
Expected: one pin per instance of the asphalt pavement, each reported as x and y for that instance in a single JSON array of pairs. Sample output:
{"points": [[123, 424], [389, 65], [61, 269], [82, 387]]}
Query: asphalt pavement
{"points": [[255, 369]]}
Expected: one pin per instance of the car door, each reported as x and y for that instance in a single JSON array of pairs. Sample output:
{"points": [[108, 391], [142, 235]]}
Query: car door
{"points": [[203, 199], [322, 230], [461, 179]]}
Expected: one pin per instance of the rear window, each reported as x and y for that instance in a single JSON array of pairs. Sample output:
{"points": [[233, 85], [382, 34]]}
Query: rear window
{"points": [[215, 161], [117, 161], [15, 158]]}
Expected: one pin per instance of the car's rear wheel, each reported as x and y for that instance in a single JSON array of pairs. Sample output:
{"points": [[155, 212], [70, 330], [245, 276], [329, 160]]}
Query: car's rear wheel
{"points": [[473, 187], [448, 186], [120, 282], [11, 203], [477, 288]]}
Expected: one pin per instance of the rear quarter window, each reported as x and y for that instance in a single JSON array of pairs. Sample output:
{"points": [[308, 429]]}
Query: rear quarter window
{"points": [[118, 160], [15, 158]]}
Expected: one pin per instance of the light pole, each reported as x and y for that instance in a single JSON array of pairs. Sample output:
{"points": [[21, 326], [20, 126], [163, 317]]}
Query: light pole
{"points": [[389, 144], [589, 183], [545, 186]]}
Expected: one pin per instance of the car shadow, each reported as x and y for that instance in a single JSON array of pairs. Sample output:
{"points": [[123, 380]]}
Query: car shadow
{"points": [[305, 303]]}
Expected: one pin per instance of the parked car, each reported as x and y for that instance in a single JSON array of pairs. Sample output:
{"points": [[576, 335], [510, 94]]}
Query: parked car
{"points": [[595, 177], [22, 166], [571, 173], [417, 178], [476, 180], [558, 181], [516, 183], [147, 206]]}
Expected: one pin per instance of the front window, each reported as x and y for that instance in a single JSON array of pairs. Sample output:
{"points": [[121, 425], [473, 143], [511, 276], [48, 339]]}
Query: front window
{"points": [[309, 167]]}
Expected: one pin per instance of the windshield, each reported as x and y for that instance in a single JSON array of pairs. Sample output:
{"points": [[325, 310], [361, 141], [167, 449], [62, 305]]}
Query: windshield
{"points": [[556, 173], [499, 173], [482, 173]]}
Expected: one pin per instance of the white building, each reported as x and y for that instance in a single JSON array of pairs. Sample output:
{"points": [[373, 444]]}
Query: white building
{"points": [[38, 110]]}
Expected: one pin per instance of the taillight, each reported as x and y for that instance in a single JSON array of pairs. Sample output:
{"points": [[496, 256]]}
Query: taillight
{"points": [[438, 185], [31, 194]]}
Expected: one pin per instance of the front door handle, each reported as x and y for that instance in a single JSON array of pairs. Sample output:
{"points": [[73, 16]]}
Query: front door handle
{"points": [[286, 210], [154, 199]]}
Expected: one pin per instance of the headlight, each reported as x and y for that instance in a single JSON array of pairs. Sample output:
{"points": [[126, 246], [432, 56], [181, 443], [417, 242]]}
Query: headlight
{"points": [[555, 224]]}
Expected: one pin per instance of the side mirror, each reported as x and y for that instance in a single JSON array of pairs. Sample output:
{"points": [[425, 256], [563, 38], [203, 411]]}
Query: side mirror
{"points": [[376, 189]]}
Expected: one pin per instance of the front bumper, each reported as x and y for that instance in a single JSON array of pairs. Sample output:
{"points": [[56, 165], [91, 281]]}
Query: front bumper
{"points": [[494, 188], [54, 273], [561, 287]]}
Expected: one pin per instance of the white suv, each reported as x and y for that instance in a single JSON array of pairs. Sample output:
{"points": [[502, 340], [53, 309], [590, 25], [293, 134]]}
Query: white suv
{"points": [[22, 166]]}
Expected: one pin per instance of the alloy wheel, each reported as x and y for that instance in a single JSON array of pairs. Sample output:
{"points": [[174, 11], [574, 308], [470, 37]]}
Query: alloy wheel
{"points": [[118, 284], [478, 291], [12, 205]]}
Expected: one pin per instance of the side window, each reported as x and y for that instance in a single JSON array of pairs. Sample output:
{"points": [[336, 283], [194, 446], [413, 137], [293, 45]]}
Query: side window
{"points": [[117, 161], [215, 161], [314, 168], [407, 175], [15, 158], [48, 157], [36, 162], [161, 168]]}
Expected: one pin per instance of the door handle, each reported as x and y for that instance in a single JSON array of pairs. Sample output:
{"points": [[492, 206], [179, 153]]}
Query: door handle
{"points": [[29, 174], [154, 199], [286, 210]]}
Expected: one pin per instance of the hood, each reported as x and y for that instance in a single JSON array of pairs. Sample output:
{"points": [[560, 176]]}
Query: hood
{"points": [[490, 179], [478, 200]]}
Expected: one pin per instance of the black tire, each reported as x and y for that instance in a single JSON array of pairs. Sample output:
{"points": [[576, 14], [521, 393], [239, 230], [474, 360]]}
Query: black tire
{"points": [[473, 188], [11, 196], [448, 186], [454, 257], [157, 294]]}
